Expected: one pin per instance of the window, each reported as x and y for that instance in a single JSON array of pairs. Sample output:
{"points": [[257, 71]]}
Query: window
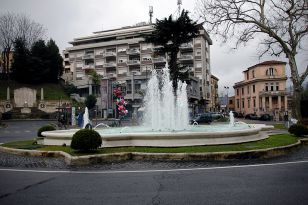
{"points": [[242, 90], [248, 87], [253, 88], [254, 102], [270, 72], [237, 92], [238, 103], [247, 75], [253, 73], [243, 103], [248, 103], [272, 86], [266, 86], [277, 86]]}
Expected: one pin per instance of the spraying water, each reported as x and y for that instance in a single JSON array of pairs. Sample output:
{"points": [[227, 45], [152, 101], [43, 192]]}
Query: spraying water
{"points": [[86, 119], [163, 110], [231, 123]]}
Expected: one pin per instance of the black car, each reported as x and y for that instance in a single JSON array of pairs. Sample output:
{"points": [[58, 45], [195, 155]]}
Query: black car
{"points": [[202, 118], [252, 116], [237, 114], [265, 117]]}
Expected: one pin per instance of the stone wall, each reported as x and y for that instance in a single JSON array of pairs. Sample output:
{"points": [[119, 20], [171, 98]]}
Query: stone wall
{"points": [[25, 97]]}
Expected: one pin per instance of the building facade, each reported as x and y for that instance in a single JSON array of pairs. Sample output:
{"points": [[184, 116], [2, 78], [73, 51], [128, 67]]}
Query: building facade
{"points": [[123, 59], [263, 90], [214, 106]]}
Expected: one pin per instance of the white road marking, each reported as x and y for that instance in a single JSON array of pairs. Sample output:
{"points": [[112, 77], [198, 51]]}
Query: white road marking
{"points": [[152, 171]]}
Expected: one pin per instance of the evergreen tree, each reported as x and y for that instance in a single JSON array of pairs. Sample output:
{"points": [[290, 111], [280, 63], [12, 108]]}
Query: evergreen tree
{"points": [[171, 33], [55, 63], [21, 63], [39, 61]]}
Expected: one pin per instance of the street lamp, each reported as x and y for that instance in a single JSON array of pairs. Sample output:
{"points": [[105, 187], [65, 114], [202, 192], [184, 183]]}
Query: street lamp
{"points": [[227, 107]]}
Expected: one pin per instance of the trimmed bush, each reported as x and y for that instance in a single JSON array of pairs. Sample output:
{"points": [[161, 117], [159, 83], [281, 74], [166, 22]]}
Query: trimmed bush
{"points": [[298, 130], [86, 139], [45, 128]]}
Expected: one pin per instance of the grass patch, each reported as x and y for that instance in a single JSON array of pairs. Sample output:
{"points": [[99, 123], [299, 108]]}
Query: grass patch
{"points": [[280, 126], [51, 91], [273, 141], [27, 144]]}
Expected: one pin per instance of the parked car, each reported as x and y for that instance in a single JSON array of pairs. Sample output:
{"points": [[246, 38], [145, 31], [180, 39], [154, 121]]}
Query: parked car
{"points": [[252, 116], [202, 118], [237, 114], [265, 117], [216, 115]]}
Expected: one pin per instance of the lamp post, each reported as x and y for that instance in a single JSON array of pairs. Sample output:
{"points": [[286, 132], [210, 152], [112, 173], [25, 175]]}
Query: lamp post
{"points": [[227, 103]]}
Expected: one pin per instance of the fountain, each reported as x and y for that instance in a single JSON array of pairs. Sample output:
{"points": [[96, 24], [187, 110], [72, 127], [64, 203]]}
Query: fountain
{"points": [[166, 123], [86, 119]]}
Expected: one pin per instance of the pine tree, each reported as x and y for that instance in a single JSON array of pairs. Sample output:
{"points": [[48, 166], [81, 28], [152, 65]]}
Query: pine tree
{"points": [[55, 63]]}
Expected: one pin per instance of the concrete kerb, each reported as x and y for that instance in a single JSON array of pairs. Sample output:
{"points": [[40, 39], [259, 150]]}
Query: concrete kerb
{"points": [[103, 158]]}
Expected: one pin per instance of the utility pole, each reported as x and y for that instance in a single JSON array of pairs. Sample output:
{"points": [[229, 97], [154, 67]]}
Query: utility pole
{"points": [[151, 13]]}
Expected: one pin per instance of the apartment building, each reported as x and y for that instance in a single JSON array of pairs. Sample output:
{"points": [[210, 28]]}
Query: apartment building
{"points": [[263, 90], [214, 106], [123, 59]]}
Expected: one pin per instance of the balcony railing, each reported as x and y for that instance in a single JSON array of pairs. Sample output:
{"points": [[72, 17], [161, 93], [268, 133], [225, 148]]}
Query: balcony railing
{"points": [[186, 46], [186, 57], [133, 62], [111, 75], [88, 56], [109, 54], [159, 60], [86, 67], [273, 93], [133, 51], [110, 64]]}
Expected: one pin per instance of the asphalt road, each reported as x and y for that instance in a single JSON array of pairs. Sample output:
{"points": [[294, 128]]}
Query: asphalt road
{"points": [[247, 184], [21, 130], [39, 180]]}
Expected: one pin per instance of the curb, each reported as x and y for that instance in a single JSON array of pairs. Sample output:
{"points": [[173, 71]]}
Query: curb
{"points": [[217, 156]]}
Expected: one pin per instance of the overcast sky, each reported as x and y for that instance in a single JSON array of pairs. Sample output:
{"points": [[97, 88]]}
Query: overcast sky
{"points": [[65, 20]]}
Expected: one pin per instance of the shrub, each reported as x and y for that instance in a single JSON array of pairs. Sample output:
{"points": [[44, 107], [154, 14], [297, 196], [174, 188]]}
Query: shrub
{"points": [[86, 139], [298, 130], [45, 128]]}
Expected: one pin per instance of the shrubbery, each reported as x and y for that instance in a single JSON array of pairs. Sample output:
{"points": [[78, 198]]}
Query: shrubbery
{"points": [[86, 139], [298, 130], [45, 128]]}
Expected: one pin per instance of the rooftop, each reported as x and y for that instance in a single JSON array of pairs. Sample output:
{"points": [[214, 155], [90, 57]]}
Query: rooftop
{"points": [[272, 62]]}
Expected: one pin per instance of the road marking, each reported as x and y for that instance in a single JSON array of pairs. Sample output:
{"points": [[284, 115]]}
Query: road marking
{"points": [[149, 171]]}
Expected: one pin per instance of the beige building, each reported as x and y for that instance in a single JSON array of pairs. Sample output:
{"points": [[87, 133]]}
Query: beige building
{"points": [[263, 90], [214, 106], [121, 56]]}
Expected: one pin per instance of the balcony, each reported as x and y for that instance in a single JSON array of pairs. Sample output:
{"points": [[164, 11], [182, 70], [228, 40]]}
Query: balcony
{"points": [[186, 58], [110, 64], [88, 67], [111, 75], [186, 46], [88, 56], [133, 51], [110, 54], [122, 50], [133, 62], [159, 60], [273, 93]]}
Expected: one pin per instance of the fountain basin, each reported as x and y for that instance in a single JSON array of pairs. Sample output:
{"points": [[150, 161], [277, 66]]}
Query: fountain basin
{"points": [[140, 137]]}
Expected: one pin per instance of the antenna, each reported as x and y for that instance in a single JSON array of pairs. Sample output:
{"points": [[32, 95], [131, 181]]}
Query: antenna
{"points": [[179, 6], [151, 13]]}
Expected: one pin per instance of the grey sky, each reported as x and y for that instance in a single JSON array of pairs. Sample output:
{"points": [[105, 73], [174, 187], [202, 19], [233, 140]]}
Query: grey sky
{"points": [[68, 19]]}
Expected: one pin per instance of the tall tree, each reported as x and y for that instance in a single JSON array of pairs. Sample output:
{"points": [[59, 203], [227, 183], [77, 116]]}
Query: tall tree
{"points": [[21, 63], [39, 70], [12, 27], [55, 65], [171, 33], [280, 24]]}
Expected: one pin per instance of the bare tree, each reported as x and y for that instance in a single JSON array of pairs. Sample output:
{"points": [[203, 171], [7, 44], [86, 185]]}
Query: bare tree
{"points": [[281, 25], [13, 26]]}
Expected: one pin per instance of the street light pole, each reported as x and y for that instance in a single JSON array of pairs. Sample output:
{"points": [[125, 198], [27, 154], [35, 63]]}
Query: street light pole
{"points": [[227, 103]]}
